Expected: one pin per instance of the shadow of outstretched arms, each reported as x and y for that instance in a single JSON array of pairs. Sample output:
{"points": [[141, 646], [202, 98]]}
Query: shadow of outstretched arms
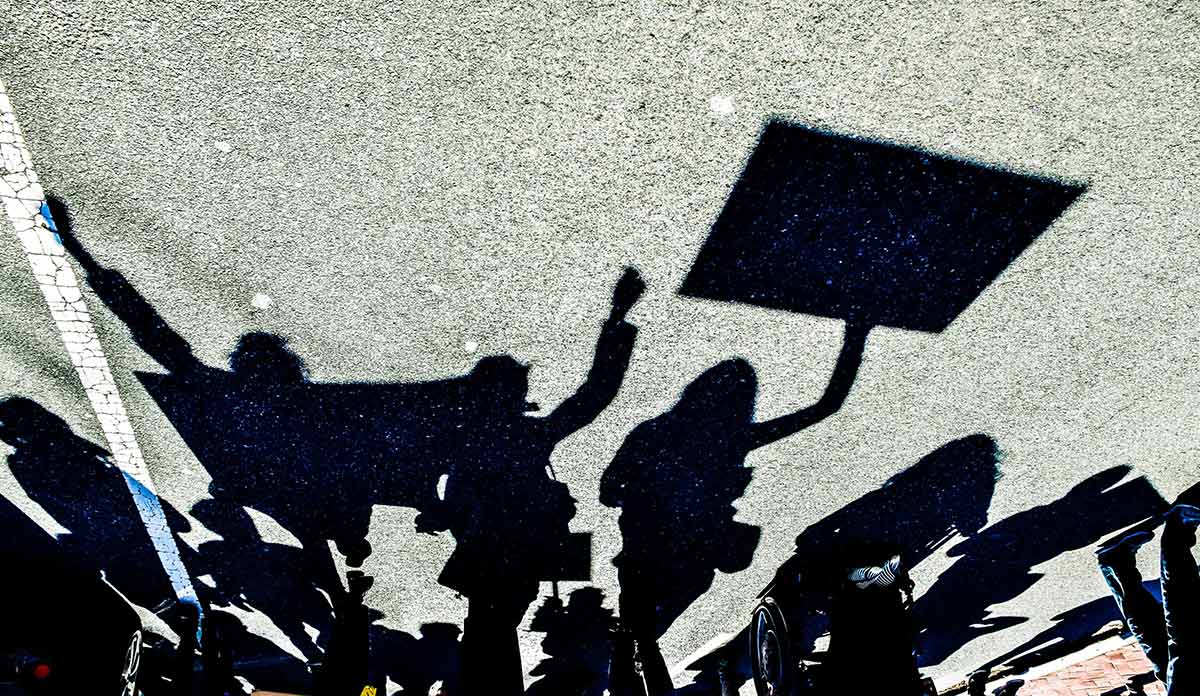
{"points": [[149, 330]]}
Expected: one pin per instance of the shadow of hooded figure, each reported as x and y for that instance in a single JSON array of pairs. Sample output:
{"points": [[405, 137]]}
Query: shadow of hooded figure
{"points": [[77, 483], [676, 478], [914, 513], [508, 515]]}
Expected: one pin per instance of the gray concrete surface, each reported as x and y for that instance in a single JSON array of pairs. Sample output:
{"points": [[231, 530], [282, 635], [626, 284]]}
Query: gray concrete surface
{"points": [[415, 186]]}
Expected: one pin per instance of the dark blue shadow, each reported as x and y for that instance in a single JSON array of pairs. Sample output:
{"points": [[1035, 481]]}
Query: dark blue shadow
{"points": [[851, 228]]}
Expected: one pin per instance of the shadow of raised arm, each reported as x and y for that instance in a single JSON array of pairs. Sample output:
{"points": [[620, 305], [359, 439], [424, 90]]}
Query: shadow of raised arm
{"points": [[835, 394], [613, 352], [149, 330]]}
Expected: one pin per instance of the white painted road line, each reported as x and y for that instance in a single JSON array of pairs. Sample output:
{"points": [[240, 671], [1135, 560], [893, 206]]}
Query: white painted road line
{"points": [[25, 202]]}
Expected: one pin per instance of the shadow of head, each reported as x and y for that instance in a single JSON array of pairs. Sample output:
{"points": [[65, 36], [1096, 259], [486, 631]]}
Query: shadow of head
{"points": [[953, 484], [24, 423], [724, 392], [265, 357], [501, 383], [587, 600]]}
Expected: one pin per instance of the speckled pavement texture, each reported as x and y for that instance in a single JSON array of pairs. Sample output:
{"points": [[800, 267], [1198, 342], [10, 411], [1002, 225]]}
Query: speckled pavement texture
{"points": [[401, 189]]}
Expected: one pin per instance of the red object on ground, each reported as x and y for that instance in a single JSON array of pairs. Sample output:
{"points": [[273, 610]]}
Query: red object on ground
{"points": [[1102, 674]]}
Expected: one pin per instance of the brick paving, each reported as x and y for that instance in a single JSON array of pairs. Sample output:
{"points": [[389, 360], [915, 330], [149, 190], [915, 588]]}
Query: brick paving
{"points": [[1110, 674]]}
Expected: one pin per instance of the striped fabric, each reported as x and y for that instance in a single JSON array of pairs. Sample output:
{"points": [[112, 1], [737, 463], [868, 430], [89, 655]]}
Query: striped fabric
{"points": [[876, 576]]}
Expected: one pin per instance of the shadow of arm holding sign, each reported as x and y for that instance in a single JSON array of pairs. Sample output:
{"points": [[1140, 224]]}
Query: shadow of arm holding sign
{"points": [[844, 372]]}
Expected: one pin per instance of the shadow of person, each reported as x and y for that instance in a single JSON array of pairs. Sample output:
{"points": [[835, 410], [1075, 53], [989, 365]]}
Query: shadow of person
{"points": [[77, 483], [914, 513], [996, 565], [261, 439], [676, 478], [577, 644], [312, 456], [1084, 621], [508, 515], [251, 427], [315, 457]]}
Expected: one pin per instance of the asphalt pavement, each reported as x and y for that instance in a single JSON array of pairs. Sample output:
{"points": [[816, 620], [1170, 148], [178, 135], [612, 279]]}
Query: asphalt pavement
{"points": [[401, 190]]}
